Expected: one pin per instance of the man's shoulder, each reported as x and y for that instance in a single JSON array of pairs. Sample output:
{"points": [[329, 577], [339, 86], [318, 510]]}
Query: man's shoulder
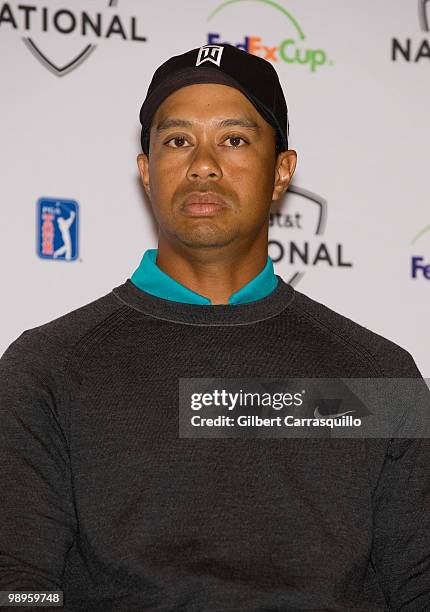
{"points": [[387, 356], [53, 341]]}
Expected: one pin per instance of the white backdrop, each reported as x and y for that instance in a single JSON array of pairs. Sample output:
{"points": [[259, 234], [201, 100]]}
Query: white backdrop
{"points": [[70, 97]]}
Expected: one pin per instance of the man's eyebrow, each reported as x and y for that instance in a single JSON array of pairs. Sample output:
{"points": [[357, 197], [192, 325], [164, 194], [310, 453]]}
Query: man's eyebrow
{"points": [[167, 124], [172, 123], [241, 122]]}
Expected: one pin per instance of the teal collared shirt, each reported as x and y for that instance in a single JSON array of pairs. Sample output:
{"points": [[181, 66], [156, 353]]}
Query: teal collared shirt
{"points": [[150, 278]]}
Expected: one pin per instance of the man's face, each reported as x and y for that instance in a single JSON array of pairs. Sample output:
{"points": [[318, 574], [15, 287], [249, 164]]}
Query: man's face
{"points": [[208, 143]]}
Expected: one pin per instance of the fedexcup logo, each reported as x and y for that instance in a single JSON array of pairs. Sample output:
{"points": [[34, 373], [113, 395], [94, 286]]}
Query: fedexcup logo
{"points": [[296, 235], [285, 42], [60, 38], [408, 49], [420, 267]]}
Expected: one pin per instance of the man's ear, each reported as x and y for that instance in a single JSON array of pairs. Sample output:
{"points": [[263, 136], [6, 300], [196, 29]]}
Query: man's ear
{"points": [[284, 170], [143, 165]]}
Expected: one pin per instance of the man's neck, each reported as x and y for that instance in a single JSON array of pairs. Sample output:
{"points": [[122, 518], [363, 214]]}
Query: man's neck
{"points": [[215, 274]]}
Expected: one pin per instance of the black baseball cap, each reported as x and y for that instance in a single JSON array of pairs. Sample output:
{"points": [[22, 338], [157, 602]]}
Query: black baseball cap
{"points": [[224, 64]]}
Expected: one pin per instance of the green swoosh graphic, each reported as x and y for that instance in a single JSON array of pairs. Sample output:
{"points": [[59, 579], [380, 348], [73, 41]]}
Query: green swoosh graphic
{"points": [[420, 234], [270, 3]]}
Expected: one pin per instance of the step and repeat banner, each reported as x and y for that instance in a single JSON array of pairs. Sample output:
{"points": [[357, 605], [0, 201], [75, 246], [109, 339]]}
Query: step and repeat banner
{"points": [[353, 231]]}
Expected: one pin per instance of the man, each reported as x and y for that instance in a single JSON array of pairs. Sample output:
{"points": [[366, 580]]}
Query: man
{"points": [[110, 495]]}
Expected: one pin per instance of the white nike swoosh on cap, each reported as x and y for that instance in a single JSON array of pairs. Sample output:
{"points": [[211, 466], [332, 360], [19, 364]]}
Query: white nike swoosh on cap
{"points": [[318, 414]]}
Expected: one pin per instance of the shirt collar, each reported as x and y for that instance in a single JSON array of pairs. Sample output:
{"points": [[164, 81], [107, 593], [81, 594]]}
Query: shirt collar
{"points": [[150, 278]]}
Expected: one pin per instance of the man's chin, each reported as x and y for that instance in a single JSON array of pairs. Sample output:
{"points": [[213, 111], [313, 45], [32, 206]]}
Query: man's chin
{"points": [[206, 239]]}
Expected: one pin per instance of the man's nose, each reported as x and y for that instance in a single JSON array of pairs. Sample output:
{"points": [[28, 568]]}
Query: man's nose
{"points": [[204, 165]]}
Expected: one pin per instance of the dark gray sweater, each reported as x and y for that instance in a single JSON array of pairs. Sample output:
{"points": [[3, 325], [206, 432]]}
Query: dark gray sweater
{"points": [[102, 499]]}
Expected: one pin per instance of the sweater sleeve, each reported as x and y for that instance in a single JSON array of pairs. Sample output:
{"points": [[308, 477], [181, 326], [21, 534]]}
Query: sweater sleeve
{"points": [[37, 517], [401, 505]]}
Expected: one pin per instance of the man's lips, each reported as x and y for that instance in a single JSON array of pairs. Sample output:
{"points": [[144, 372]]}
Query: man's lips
{"points": [[203, 204]]}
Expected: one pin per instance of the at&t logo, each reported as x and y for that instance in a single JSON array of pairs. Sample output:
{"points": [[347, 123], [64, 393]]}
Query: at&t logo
{"points": [[297, 235], [72, 34], [409, 49]]}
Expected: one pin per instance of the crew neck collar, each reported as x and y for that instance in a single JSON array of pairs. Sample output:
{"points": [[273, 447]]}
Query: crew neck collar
{"points": [[213, 315], [150, 278]]}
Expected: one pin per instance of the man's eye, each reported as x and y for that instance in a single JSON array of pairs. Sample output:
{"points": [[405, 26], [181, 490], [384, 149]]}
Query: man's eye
{"points": [[235, 141], [178, 141]]}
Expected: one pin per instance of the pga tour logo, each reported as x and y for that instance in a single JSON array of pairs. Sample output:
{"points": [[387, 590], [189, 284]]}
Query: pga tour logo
{"points": [[57, 229], [210, 53]]}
